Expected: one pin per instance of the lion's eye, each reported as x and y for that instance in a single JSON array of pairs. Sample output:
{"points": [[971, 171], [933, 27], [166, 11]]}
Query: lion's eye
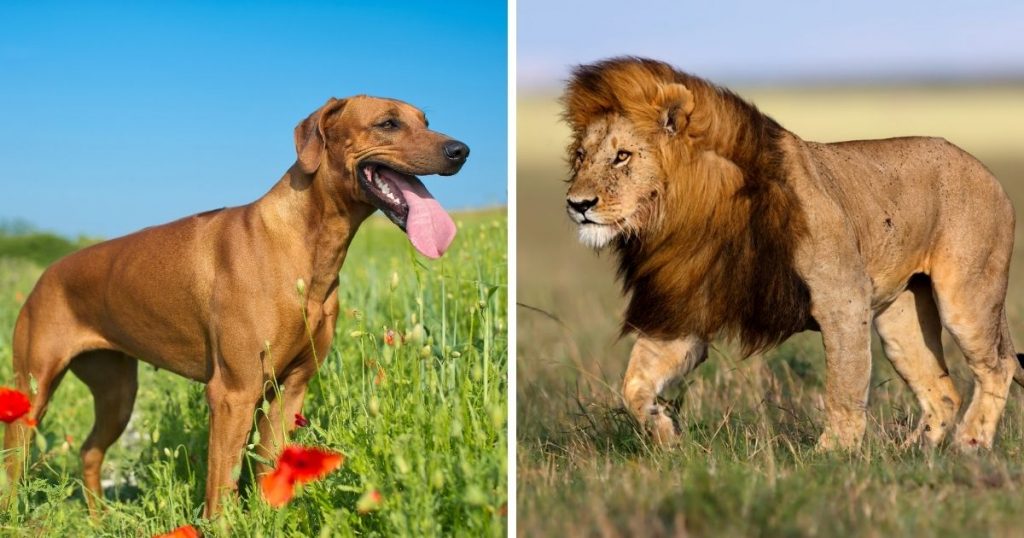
{"points": [[579, 155], [622, 156]]}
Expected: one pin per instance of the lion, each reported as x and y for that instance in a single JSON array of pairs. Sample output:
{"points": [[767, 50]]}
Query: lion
{"points": [[725, 224]]}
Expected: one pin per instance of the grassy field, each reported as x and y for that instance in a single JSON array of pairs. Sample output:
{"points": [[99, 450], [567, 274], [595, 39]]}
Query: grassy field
{"points": [[747, 467], [424, 425]]}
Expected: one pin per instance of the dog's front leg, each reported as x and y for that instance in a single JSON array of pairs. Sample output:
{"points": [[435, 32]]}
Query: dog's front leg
{"points": [[231, 409], [656, 368], [845, 331], [279, 421]]}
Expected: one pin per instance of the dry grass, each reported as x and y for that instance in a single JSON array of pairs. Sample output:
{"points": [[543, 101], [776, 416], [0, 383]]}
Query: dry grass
{"points": [[747, 467]]}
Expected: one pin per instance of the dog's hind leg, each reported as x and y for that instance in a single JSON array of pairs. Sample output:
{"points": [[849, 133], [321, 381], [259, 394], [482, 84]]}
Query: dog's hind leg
{"points": [[113, 379], [656, 368], [911, 334]]}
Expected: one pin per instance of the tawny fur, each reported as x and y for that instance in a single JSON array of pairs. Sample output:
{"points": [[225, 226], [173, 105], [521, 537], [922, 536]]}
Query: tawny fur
{"points": [[727, 224]]}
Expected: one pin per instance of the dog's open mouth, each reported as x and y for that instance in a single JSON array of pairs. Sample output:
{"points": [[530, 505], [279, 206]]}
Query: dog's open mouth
{"points": [[404, 199]]}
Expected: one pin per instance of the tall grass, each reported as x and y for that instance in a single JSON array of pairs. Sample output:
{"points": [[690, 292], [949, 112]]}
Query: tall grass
{"points": [[422, 422], [747, 465]]}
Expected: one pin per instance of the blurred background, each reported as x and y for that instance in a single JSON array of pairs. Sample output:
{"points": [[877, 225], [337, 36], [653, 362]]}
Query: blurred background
{"points": [[827, 71], [115, 117]]}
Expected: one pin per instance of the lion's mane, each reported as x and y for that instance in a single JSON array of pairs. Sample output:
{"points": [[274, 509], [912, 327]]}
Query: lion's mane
{"points": [[718, 257]]}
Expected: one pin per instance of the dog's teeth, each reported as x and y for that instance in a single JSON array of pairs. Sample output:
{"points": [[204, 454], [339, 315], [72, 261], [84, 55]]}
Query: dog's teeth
{"points": [[385, 189]]}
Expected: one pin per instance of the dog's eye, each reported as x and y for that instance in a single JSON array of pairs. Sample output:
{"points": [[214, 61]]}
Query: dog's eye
{"points": [[622, 156], [388, 124]]}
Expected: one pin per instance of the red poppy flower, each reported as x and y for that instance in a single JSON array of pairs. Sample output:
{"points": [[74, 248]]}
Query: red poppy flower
{"points": [[13, 405], [389, 337], [297, 465], [308, 463], [278, 487], [301, 421], [184, 531]]}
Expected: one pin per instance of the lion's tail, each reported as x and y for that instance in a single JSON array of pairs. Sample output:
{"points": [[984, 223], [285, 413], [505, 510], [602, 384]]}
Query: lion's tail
{"points": [[1018, 376]]}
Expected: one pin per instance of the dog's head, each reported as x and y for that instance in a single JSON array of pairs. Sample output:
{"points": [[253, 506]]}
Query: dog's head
{"points": [[380, 146]]}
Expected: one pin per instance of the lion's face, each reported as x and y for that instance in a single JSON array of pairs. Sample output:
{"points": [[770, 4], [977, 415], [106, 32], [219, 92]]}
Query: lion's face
{"points": [[615, 183]]}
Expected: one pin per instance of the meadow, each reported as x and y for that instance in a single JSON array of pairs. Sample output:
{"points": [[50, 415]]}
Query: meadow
{"points": [[421, 423], [747, 466]]}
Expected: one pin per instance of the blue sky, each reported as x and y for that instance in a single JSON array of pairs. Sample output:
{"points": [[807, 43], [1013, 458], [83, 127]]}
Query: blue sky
{"points": [[113, 118], [773, 41]]}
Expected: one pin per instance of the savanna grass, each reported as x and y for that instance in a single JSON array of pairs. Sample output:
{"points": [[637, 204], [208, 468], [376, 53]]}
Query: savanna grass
{"points": [[747, 464], [422, 422]]}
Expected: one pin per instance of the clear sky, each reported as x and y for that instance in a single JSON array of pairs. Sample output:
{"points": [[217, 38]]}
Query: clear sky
{"points": [[113, 118], [771, 41]]}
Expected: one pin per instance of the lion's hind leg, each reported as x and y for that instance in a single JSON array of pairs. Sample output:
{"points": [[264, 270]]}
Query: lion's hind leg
{"points": [[911, 335], [972, 310]]}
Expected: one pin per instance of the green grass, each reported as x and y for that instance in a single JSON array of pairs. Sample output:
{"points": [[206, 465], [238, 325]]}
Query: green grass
{"points": [[424, 423], [747, 466]]}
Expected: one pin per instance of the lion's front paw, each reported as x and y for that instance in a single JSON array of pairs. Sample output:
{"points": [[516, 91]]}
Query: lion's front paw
{"points": [[844, 430], [663, 429]]}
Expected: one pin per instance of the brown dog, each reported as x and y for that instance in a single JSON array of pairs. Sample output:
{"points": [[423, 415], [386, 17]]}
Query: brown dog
{"points": [[205, 296]]}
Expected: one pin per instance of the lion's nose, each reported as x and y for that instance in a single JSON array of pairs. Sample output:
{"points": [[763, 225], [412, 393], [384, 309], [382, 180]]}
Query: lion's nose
{"points": [[581, 206], [456, 151]]}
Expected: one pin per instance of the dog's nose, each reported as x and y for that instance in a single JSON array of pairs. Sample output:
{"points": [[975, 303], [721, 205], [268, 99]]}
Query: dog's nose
{"points": [[456, 151], [581, 206]]}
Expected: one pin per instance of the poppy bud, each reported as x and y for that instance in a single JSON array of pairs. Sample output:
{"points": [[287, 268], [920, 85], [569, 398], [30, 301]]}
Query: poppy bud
{"points": [[417, 334], [371, 501]]}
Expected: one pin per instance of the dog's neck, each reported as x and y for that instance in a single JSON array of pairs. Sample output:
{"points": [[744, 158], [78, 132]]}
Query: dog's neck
{"points": [[314, 211]]}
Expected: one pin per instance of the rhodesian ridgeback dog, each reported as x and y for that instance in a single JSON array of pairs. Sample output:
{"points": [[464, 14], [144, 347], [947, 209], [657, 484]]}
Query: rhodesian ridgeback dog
{"points": [[207, 296]]}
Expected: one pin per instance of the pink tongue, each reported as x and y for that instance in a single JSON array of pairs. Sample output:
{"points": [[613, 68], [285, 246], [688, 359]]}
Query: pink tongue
{"points": [[430, 229]]}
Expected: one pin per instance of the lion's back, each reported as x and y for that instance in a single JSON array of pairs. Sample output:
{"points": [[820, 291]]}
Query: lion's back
{"points": [[911, 199], [903, 173]]}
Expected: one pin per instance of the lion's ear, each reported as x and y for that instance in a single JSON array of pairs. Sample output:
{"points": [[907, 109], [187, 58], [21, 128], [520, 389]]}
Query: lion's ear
{"points": [[676, 104]]}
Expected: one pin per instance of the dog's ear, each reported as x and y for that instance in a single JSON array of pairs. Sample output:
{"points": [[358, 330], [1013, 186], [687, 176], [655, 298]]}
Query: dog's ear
{"points": [[676, 104], [310, 140]]}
